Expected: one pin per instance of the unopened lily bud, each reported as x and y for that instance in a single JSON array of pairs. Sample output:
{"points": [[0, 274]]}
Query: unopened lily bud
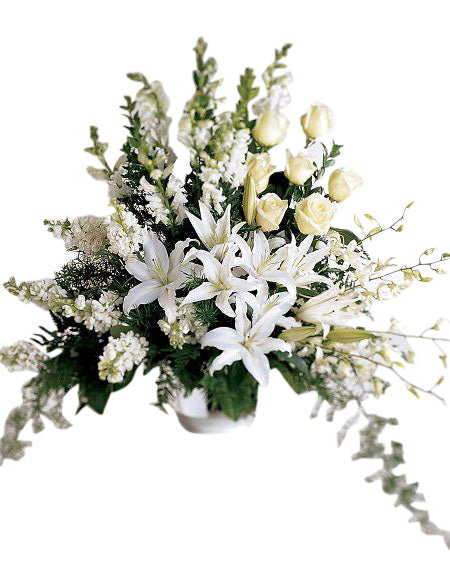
{"points": [[270, 128], [249, 200], [317, 121]]}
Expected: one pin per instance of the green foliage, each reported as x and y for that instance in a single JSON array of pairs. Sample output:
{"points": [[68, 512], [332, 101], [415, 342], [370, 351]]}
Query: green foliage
{"points": [[92, 276], [268, 76], [98, 149], [295, 370], [232, 390], [247, 92], [206, 312]]}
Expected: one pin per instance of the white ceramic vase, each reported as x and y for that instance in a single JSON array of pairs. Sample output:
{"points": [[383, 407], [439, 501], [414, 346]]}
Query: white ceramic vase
{"points": [[193, 414]]}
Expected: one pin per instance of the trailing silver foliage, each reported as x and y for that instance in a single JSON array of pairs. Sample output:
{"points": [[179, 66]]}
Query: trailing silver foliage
{"points": [[35, 405]]}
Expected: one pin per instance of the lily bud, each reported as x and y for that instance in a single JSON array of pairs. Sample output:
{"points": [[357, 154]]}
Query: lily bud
{"points": [[249, 200], [300, 168], [270, 128], [317, 121], [260, 169], [342, 183]]}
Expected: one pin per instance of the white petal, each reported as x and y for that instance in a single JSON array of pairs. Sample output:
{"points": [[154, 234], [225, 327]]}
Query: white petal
{"points": [[221, 338], [198, 227], [245, 249], [257, 364], [260, 248], [242, 323], [177, 255], [212, 267], [208, 223], [224, 359], [143, 293], [206, 291], [155, 254], [274, 344], [167, 302], [223, 303], [223, 226], [138, 269], [283, 278]]}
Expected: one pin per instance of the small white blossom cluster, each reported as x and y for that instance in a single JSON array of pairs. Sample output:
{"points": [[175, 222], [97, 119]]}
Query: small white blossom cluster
{"points": [[86, 233], [99, 315], [277, 96], [124, 233], [186, 329], [45, 293], [22, 356], [160, 202], [116, 186], [120, 355], [227, 163]]}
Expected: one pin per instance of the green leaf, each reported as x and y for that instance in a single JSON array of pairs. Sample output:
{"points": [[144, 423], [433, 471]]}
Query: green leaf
{"points": [[294, 370], [347, 235], [232, 390]]}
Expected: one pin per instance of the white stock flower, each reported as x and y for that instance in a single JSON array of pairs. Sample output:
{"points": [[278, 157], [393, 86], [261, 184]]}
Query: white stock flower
{"points": [[221, 283], [161, 276], [22, 356], [249, 342], [120, 356]]}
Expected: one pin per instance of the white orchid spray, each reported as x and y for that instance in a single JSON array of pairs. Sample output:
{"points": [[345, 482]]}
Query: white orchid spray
{"points": [[218, 277]]}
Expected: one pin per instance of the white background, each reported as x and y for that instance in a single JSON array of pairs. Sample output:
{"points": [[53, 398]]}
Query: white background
{"points": [[130, 494]]}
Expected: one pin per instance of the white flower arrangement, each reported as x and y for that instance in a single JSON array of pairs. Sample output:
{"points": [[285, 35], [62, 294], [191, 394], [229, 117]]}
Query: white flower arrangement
{"points": [[221, 276]]}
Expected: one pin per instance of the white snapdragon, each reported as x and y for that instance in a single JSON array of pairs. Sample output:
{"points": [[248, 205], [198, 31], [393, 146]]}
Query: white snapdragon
{"points": [[120, 356], [22, 356], [124, 233]]}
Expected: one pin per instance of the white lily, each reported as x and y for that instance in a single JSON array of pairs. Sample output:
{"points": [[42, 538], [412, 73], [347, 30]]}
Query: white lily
{"points": [[277, 304], [299, 264], [262, 264], [215, 236], [249, 342], [327, 309], [159, 274], [221, 284]]}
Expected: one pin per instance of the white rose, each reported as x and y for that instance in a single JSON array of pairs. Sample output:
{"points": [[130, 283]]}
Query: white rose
{"points": [[260, 169], [313, 214], [270, 128], [300, 168], [249, 200], [317, 121], [270, 211], [342, 183]]}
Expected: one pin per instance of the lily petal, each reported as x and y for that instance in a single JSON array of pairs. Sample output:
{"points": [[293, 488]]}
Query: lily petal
{"points": [[221, 338], [138, 269], [206, 291], [143, 293], [225, 359], [257, 364]]}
